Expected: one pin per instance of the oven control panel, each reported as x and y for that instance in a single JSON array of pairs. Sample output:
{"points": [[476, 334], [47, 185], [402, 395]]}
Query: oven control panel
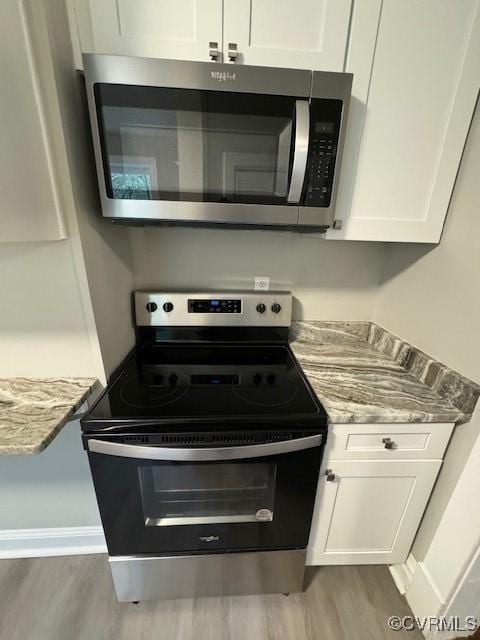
{"points": [[215, 305], [187, 309]]}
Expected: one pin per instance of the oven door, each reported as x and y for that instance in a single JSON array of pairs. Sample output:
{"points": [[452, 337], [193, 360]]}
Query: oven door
{"points": [[198, 142], [160, 500]]}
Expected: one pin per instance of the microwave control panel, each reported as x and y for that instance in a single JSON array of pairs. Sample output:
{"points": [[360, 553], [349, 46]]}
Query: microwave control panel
{"points": [[322, 152]]}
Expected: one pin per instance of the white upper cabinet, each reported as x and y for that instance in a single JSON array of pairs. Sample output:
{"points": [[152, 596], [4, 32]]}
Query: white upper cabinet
{"points": [[306, 34], [310, 34], [413, 98], [181, 30], [31, 208]]}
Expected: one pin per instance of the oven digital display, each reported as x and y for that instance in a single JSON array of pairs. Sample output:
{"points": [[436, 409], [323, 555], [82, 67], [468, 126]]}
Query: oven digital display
{"points": [[215, 306], [214, 379]]}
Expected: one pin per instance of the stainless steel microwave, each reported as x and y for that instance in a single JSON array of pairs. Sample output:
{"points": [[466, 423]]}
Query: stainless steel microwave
{"points": [[205, 143]]}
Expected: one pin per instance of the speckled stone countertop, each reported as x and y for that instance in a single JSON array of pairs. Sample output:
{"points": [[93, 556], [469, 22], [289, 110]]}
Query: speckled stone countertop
{"points": [[33, 410], [362, 373]]}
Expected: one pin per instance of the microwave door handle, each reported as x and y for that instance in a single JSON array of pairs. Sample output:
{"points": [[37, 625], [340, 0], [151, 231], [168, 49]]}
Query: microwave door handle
{"points": [[300, 150], [173, 454]]}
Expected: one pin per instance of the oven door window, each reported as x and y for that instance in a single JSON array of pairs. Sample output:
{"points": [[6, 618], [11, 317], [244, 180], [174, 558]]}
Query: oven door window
{"points": [[191, 145], [187, 494]]}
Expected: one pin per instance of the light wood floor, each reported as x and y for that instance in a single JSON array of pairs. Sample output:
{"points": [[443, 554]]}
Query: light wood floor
{"points": [[72, 598]]}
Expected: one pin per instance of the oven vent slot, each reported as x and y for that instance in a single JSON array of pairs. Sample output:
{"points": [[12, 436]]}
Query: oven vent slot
{"points": [[274, 435], [233, 438], [137, 439], [224, 438], [205, 439], [183, 439]]}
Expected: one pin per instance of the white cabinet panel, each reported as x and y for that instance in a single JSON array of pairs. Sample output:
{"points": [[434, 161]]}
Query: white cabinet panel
{"points": [[422, 91], [180, 30], [388, 441], [28, 191], [309, 34], [369, 513]]}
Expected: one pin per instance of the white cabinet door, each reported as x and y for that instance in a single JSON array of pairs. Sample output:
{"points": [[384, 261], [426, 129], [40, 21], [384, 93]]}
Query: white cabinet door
{"points": [[180, 30], [306, 34], [31, 209], [410, 119], [370, 512]]}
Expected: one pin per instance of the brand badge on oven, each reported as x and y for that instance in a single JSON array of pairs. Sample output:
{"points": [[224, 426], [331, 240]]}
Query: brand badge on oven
{"points": [[264, 515], [209, 538]]}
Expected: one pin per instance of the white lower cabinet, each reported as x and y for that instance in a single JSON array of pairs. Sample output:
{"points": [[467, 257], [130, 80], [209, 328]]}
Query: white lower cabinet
{"points": [[374, 485], [368, 511]]}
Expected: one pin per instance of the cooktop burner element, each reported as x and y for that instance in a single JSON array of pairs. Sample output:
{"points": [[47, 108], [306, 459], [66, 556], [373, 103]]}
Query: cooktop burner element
{"points": [[138, 396], [208, 380]]}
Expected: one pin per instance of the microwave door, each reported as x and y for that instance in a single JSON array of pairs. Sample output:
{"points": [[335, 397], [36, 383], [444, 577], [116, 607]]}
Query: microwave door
{"points": [[197, 156], [301, 135]]}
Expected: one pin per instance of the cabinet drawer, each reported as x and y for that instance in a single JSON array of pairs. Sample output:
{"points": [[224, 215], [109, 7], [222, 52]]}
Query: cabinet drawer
{"points": [[388, 441]]}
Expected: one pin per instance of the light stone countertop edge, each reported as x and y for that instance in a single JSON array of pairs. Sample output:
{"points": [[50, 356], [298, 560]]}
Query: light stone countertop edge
{"points": [[33, 411]]}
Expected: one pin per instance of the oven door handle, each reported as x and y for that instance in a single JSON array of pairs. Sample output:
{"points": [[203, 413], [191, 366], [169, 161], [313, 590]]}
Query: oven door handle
{"points": [[202, 454], [300, 153]]}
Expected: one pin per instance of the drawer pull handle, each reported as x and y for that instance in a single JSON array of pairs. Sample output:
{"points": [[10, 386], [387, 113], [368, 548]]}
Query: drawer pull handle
{"points": [[389, 443], [329, 475]]}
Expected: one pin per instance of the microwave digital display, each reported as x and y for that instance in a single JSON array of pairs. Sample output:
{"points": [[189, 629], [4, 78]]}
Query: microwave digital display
{"points": [[215, 306], [324, 127]]}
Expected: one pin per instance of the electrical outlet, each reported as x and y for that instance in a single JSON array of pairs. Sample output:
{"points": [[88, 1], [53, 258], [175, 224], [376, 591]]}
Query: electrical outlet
{"points": [[262, 283]]}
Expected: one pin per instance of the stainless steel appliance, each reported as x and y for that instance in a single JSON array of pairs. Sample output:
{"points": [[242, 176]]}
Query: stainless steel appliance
{"points": [[205, 449], [194, 143]]}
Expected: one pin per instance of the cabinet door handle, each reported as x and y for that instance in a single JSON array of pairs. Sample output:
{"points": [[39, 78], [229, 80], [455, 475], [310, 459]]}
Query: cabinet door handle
{"points": [[213, 52], [388, 443], [232, 51], [329, 475]]}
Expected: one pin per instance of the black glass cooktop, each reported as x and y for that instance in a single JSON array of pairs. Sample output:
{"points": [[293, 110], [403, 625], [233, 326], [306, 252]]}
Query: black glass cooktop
{"points": [[186, 381]]}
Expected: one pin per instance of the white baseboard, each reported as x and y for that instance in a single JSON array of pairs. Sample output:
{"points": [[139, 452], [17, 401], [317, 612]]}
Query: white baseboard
{"points": [[402, 574], [60, 541], [422, 595], [415, 583]]}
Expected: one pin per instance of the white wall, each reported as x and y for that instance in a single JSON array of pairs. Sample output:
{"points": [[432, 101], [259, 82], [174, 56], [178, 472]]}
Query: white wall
{"points": [[330, 280], [52, 489], [105, 247], [431, 298], [58, 300], [43, 329]]}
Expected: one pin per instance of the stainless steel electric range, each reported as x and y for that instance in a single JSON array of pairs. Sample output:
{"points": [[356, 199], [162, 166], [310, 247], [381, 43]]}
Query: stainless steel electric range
{"points": [[205, 450]]}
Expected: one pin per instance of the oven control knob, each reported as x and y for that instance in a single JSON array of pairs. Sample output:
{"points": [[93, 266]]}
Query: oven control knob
{"points": [[151, 307], [167, 307], [261, 308], [257, 378], [276, 308], [173, 379]]}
